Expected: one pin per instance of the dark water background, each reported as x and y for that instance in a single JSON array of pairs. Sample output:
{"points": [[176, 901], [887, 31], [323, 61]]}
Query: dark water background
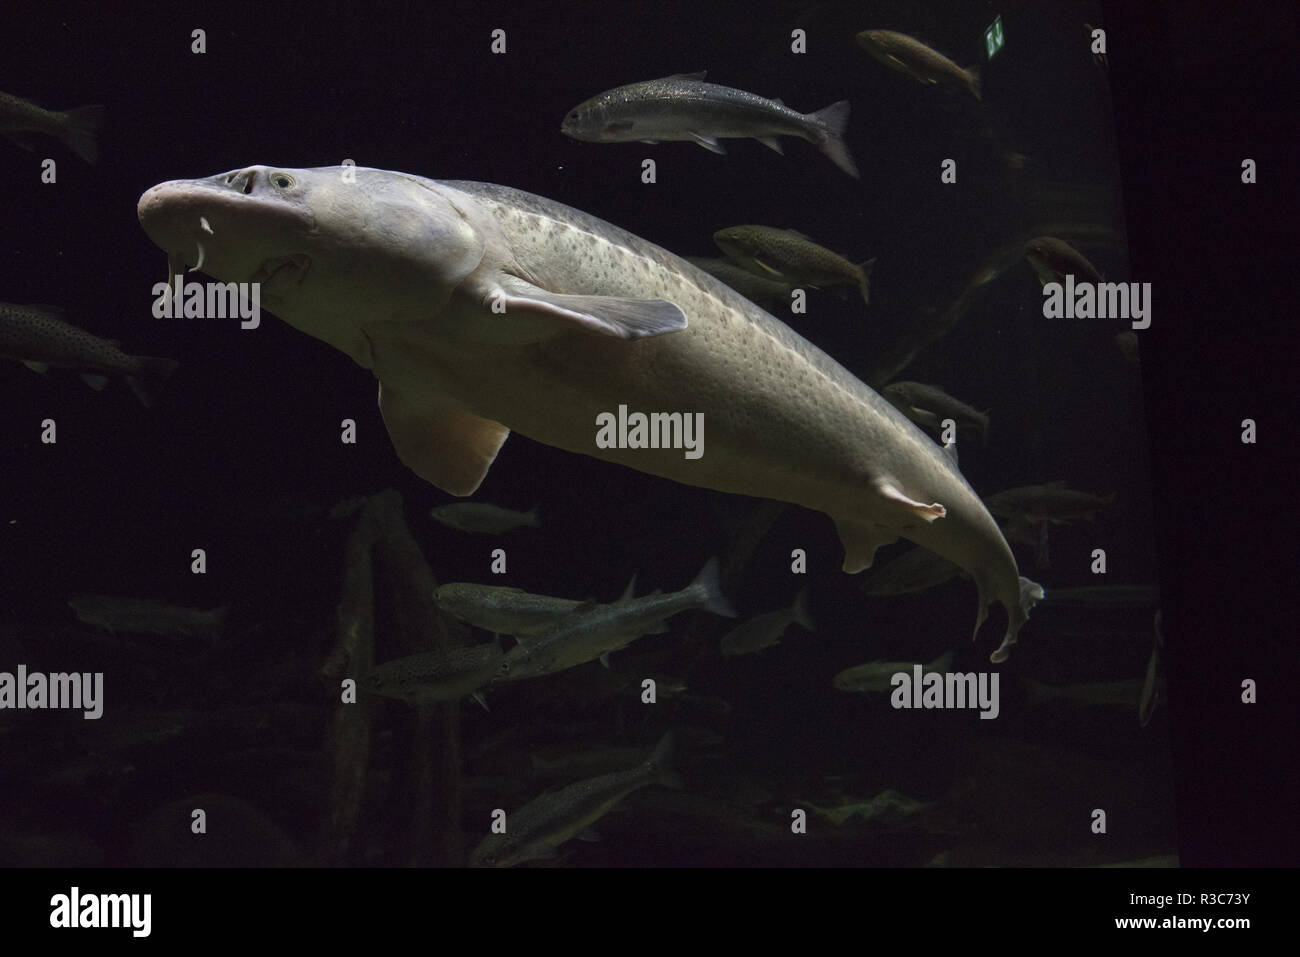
{"points": [[242, 456]]}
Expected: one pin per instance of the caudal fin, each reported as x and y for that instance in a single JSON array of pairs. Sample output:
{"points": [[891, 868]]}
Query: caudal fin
{"points": [[661, 761], [708, 582], [80, 129], [832, 120], [150, 371], [974, 81], [1030, 594], [864, 279], [799, 610]]}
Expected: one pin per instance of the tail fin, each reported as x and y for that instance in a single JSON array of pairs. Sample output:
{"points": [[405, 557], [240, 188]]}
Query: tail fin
{"points": [[864, 281], [974, 82], [1030, 594], [709, 582], [149, 372], [799, 610], [82, 124], [218, 622], [661, 759], [1037, 693], [832, 120]]}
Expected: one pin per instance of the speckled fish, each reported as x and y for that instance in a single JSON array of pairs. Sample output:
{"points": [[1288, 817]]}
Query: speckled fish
{"points": [[914, 571], [594, 631], [909, 55], [1125, 695], [770, 293], [483, 309], [792, 257], [1105, 596], [480, 518], [76, 128], [877, 677], [1054, 259], [40, 338], [887, 807], [763, 631], [434, 675], [142, 616], [928, 406], [509, 611], [1054, 502], [504, 610], [683, 107], [539, 827]]}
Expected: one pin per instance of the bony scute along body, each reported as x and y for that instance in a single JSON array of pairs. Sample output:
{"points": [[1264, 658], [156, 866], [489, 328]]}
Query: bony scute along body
{"points": [[483, 309]]}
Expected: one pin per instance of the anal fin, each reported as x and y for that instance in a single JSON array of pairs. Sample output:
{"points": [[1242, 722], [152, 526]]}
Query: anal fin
{"points": [[860, 543]]}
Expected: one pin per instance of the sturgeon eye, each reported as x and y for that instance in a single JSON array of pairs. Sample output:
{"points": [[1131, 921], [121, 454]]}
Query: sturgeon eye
{"points": [[573, 115], [282, 180]]}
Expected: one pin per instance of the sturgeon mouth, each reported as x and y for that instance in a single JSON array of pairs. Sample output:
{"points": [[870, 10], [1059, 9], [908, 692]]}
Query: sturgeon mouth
{"points": [[293, 267]]}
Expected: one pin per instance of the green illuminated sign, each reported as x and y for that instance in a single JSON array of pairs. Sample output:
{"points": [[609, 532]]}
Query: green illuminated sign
{"points": [[993, 38]]}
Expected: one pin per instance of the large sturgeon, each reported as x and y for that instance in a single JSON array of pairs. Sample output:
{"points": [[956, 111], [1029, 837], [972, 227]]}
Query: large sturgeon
{"points": [[483, 309]]}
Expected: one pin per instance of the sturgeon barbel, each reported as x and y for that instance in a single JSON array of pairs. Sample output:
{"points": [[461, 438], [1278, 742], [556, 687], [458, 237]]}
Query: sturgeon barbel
{"points": [[482, 309], [683, 107]]}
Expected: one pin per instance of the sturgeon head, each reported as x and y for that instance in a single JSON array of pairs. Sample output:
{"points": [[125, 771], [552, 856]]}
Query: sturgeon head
{"points": [[333, 248]]}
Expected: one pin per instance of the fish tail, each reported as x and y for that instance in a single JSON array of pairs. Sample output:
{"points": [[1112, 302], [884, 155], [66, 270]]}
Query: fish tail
{"points": [[831, 121], [660, 761], [80, 128], [711, 585], [974, 82], [799, 610], [1030, 594], [864, 279], [1036, 693], [149, 372]]}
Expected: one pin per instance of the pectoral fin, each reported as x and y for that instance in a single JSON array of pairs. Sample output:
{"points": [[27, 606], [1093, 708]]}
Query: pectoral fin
{"points": [[605, 315], [444, 444]]}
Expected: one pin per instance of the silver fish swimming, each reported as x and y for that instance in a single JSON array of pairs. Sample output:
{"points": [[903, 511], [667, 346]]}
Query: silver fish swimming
{"points": [[763, 631], [480, 518], [928, 406], [914, 571], [483, 309], [144, 616], [434, 675], [1053, 259], [76, 128], [772, 294], [544, 823], [40, 338], [877, 677], [683, 107], [909, 55], [594, 631], [502, 609], [792, 257]]}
